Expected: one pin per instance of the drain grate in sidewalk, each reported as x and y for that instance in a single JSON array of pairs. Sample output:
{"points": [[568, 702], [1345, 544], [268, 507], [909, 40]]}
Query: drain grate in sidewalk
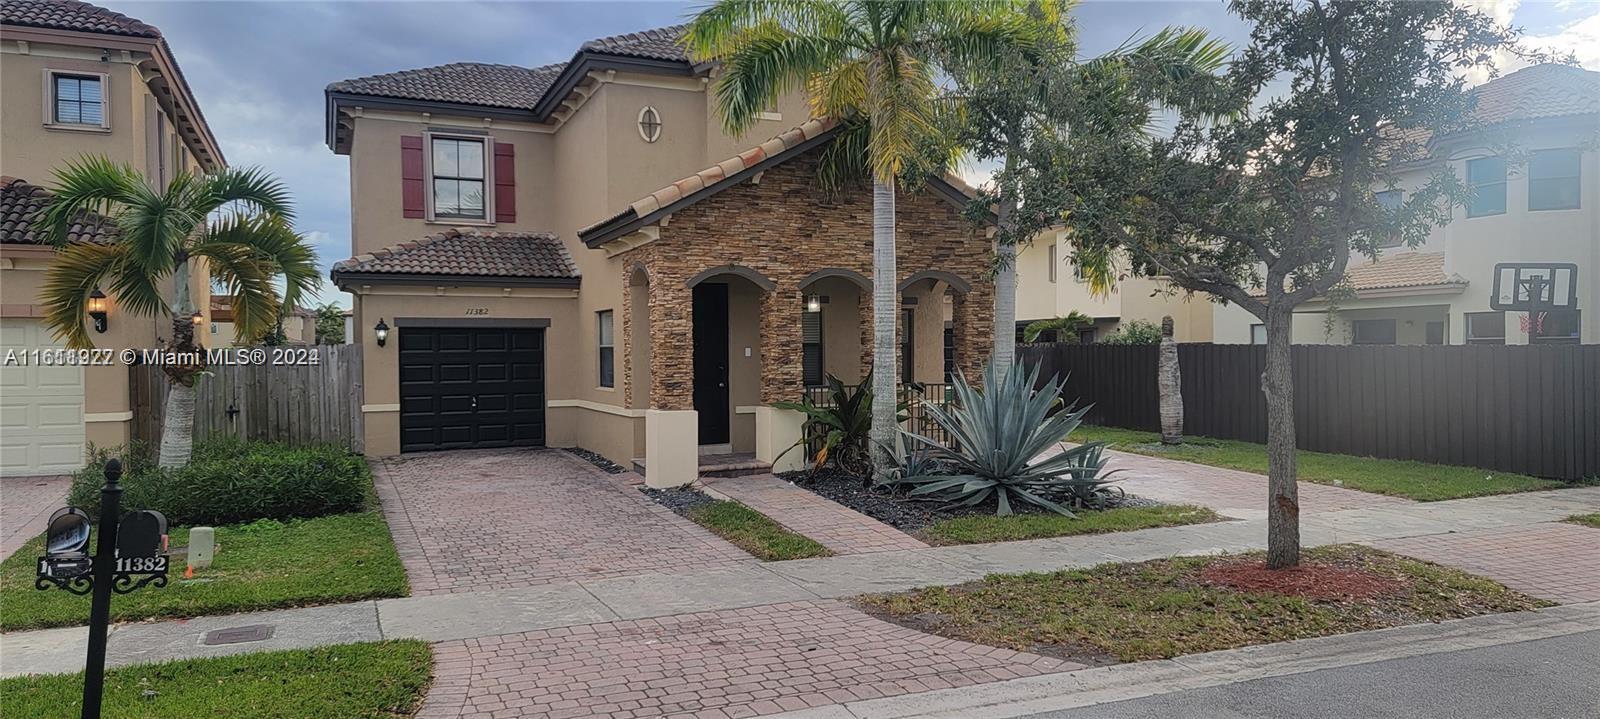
{"points": [[238, 635]]}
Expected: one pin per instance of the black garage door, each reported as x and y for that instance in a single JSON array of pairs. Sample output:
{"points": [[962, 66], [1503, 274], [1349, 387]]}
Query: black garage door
{"points": [[471, 387]]}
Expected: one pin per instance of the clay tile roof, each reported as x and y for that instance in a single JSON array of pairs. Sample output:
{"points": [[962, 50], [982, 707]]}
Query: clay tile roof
{"points": [[468, 83], [657, 44], [470, 252], [73, 15], [1539, 91], [1407, 269], [20, 204]]}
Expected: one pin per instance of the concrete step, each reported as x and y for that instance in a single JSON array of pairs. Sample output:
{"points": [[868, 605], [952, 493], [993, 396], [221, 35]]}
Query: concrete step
{"points": [[719, 465]]}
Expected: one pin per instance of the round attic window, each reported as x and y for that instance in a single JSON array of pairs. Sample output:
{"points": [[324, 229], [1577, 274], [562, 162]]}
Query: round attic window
{"points": [[649, 124]]}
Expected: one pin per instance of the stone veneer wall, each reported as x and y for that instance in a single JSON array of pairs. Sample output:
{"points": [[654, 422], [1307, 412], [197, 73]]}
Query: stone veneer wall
{"points": [[784, 228]]}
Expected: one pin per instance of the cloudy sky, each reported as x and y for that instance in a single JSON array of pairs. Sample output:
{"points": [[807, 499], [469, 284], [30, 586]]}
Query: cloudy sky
{"points": [[259, 68]]}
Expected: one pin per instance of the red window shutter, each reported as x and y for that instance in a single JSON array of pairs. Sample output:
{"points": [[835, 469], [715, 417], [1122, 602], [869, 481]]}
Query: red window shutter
{"points": [[412, 182], [505, 182]]}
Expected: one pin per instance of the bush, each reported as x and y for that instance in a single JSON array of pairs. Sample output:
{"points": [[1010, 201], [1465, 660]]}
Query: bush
{"points": [[844, 424], [229, 481], [1135, 332]]}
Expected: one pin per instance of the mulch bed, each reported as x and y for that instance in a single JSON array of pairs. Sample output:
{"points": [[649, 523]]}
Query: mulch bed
{"points": [[902, 513], [1309, 580], [607, 465], [678, 499]]}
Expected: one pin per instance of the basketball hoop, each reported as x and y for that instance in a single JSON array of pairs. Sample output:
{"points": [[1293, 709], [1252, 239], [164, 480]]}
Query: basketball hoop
{"points": [[1534, 288], [1538, 324]]}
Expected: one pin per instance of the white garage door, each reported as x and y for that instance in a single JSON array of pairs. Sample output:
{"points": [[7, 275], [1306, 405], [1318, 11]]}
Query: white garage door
{"points": [[41, 407]]}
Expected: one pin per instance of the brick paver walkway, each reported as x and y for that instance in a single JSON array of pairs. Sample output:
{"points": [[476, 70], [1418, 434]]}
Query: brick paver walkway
{"points": [[835, 526], [494, 519], [1230, 492], [1554, 560], [25, 506], [733, 663]]}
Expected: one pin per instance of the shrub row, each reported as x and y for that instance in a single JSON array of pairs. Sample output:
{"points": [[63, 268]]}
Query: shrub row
{"points": [[228, 481]]}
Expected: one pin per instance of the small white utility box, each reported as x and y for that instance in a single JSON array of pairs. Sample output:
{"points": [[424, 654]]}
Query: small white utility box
{"points": [[202, 546]]}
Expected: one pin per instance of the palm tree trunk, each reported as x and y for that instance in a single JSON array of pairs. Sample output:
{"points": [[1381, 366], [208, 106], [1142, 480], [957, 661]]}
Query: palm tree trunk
{"points": [[885, 374], [1005, 290], [1283, 497], [1169, 383], [177, 421]]}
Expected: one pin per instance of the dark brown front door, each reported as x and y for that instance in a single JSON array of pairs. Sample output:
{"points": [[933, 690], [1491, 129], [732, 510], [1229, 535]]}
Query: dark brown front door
{"points": [[711, 361], [471, 387]]}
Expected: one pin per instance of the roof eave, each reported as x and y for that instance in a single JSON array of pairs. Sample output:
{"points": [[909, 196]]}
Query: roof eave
{"points": [[338, 100], [585, 61], [343, 280]]}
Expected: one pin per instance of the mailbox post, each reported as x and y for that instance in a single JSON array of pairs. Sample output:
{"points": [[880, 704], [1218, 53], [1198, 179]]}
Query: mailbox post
{"points": [[120, 565]]}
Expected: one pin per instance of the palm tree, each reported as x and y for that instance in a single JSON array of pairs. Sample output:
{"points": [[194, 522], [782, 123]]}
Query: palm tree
{"points": [[1015, 99], [238, 221], [868, 61]]}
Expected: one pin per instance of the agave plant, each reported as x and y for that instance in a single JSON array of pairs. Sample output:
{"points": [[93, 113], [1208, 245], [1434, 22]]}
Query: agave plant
{"points": [[996, 432]]}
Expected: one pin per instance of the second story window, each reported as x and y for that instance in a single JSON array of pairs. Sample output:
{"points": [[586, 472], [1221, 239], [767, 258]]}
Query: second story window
{"points": [[458, 178], [649, 124], [1053, 260], [1390, 201], [1553, 180], [1487, 179], [78, 100], [608, 351]]}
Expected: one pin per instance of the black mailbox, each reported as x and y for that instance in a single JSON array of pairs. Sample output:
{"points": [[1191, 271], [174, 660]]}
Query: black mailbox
{"points": [[142, 534], [68, 533]]}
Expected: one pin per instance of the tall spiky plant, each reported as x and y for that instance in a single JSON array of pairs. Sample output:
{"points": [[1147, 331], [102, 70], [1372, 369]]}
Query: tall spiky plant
{"points": [[871, 61], [238, 220]]}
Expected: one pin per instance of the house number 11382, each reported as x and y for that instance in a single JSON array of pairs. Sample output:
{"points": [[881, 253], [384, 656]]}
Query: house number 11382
{"points": [[477, 310]]}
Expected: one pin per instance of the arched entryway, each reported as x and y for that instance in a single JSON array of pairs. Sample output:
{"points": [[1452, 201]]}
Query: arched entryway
{"points": [[726, 336], [927, 330], [831, 333]]}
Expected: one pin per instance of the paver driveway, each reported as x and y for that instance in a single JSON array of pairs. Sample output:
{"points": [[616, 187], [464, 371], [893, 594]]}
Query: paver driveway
{"points": [[25, 507], [475, 520]]}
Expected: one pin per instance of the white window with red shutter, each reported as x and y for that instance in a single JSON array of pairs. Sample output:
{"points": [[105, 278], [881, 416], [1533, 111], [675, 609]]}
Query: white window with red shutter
{"points": [[454, 178]]}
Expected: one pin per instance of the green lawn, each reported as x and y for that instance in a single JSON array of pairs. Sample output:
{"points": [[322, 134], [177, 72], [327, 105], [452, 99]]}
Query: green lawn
{"points": [[380, 680], [262, 565], [1412, 480], [755, 532], [1164, 608], [979, 529], [1587, 520]]}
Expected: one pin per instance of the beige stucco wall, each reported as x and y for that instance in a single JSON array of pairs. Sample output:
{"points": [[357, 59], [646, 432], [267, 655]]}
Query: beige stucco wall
{"points": [[1133, 298]]}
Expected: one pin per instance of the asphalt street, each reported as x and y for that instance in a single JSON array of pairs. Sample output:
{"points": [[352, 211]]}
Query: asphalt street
{"points": [[1556, 678]]}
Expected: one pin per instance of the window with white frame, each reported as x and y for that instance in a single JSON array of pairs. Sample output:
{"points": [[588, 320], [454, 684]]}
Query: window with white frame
{"points": [[1554, 180], [1487, 179], [77, 99], [1258, 334], [608, 357], [459, 178], [1053, 260], [1390, 201], [811, 357], [1372, 332]]}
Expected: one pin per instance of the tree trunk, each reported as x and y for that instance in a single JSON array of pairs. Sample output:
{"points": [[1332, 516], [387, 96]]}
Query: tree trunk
{"points": [[1005, 285], [177, 421], [885, 308], [1283, 497], [1170, 385]]}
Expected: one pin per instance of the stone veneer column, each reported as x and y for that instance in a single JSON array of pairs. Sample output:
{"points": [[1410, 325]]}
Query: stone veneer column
{"points": [[974, 331], [627, 336], [672, 359], [864, 307], [782, 365]]}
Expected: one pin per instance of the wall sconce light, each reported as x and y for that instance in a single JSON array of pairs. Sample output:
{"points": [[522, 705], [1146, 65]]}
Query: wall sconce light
{"points": [[381, 331], [97, 309], [814, 303], [197, 319]]}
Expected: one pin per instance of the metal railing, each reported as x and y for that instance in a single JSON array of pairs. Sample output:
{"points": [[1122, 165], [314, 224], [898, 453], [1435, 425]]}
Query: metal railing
{"points": [[913, 397]]}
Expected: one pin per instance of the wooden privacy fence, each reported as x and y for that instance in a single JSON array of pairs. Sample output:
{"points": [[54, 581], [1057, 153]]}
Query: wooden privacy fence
{"points": [[1527, 409], [297, 403]]}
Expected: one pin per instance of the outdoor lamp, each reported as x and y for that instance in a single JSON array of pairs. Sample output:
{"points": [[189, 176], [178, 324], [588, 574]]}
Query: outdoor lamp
{"points": [[196, 318], [381, 330], [97, 309], [813, 303]]}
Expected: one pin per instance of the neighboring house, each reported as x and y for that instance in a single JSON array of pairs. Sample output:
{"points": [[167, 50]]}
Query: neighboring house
{"points": [[1544, 210], [579, 255], [1049, 285], [300, 328], [78, 79]]}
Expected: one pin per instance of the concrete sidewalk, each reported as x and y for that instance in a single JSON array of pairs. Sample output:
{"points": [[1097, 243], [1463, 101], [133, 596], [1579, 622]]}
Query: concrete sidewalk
{"points": [[448, 617]]}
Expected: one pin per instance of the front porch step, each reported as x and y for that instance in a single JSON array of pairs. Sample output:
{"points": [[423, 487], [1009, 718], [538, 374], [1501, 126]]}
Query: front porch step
{"points": [[720, 465]]}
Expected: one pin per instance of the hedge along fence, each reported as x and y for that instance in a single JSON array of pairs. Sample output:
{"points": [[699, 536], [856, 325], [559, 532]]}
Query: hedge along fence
{"points": [[299, 402], [1530, 409]]}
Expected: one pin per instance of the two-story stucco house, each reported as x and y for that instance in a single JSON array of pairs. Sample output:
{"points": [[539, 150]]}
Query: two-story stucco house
{"points": [[1546, 209], [78, 80], [578, 255]]}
